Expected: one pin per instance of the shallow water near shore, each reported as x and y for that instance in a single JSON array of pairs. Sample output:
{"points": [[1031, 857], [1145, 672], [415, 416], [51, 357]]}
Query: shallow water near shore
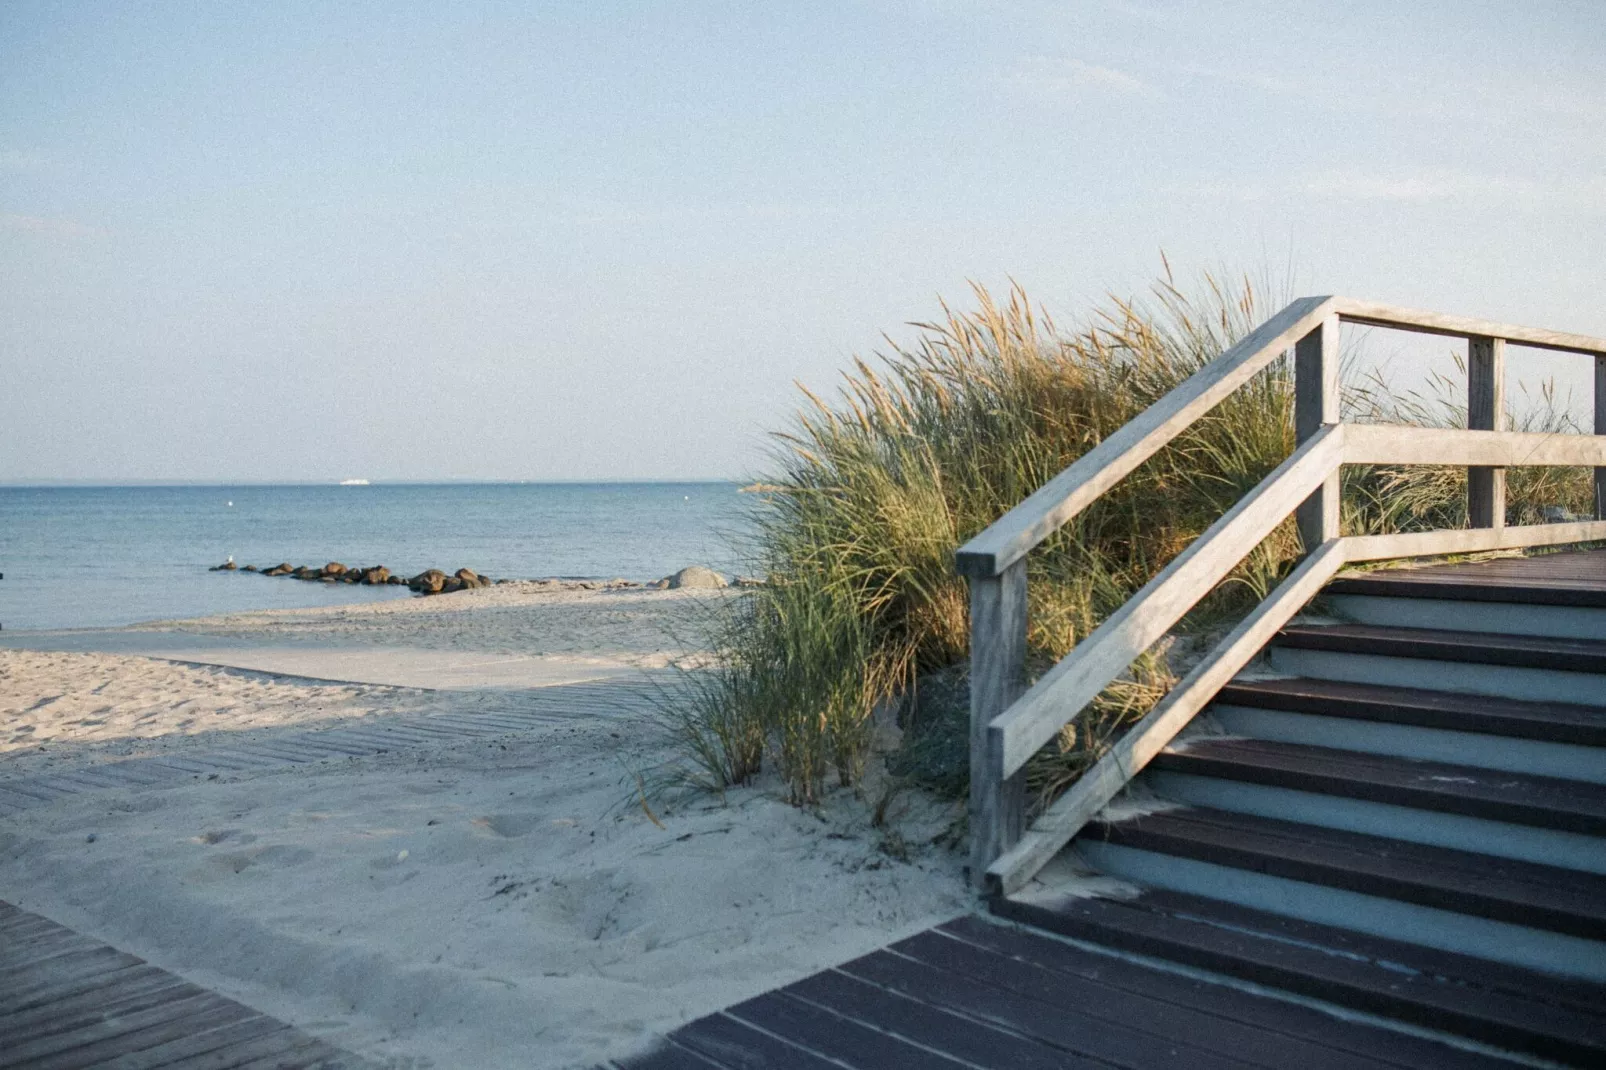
{"points": [[95, 557]]}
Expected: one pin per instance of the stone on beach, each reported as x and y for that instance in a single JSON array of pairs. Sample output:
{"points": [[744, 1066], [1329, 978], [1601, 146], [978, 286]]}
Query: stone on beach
{"points": [[695, 576]]}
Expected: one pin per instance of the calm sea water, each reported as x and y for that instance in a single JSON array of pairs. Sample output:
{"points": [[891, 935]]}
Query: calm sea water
{"points": [[80, 557]]}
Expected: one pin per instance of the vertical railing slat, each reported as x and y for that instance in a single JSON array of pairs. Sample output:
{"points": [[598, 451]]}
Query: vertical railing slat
{"points": [[1316, 404], [997, 678], [1486, 411], [1600, 429]]}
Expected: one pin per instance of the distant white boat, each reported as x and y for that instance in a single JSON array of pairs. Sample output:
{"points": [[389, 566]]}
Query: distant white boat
{"points": [[353, 482]]}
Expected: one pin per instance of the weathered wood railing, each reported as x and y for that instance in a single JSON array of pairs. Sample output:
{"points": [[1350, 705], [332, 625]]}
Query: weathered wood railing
{"points": [[1010, 722]]}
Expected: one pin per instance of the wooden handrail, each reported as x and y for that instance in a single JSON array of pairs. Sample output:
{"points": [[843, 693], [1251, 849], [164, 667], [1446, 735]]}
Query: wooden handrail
{"points": [[1420, 322], [1394, 444], [1008, 727], [1015, 735], [1012, 536], [1065, 817], [1058, 501]]}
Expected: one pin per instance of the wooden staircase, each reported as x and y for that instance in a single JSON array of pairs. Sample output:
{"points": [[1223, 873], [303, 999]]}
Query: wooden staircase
{"points": [[1390, 799], [1435, 853]]}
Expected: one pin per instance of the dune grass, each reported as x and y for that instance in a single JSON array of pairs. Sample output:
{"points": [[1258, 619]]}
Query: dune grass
{"points": [[872, 491]]}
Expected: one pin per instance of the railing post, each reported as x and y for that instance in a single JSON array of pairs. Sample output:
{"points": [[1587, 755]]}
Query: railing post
{"points": [[1486, 411], [1316, 404], [1600, 429], [997, 678]]}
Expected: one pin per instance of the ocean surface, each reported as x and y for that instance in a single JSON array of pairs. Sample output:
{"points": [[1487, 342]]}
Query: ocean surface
{"points": [[88, 557]]}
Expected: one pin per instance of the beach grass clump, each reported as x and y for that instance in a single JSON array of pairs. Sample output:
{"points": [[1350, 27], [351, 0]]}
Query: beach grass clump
{"points": [[871, 492]]}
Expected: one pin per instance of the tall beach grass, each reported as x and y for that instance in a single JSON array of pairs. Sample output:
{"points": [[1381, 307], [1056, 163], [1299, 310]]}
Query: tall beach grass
{"points": [[872, 490]]}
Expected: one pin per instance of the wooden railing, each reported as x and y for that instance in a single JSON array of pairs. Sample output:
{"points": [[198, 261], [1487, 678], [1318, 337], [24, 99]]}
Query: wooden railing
{"points": [[1010, 722]]}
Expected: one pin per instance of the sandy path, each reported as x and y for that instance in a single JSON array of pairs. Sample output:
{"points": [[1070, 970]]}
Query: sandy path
{"points": [[479, 905]]}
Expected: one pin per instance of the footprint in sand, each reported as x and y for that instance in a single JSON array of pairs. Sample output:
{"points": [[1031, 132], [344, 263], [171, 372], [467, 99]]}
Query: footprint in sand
{"points": [[509, 826]]}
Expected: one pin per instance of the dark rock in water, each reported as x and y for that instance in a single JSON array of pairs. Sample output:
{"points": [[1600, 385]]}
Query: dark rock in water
{"points": [[281, 569], [227, 566], [430, 581], [395, 581], [334, 568], [696, 576], [376, 575], [248, 568], [302, 572], [450, 584]]}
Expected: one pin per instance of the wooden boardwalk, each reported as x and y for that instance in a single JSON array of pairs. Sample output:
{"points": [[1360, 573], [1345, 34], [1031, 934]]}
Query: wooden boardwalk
{"points": [[68, 1002], [975, 994]]}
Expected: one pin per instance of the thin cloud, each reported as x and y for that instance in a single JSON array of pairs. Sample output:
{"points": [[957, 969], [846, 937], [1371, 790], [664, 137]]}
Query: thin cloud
{"points": [[52, 228], [1061, 77], [1420, 187], [21, 161]]}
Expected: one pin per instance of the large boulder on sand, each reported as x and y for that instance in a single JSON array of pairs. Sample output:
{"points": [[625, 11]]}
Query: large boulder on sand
{"points": [[469, 578], [696, 576], [376, 575], [432, 581]]}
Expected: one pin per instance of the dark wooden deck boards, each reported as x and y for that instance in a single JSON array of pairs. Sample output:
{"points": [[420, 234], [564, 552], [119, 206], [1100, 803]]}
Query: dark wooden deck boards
{"points": [[1573, 578], [972, 993], [68, 1002]]}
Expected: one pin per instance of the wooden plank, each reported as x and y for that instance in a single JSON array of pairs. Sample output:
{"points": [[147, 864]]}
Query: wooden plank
{"points": [[15, 983], [1519, 651], [1504, 889], [1486, 411], [1397, 981], [1045, 1017], [1600, 430], [1394, 444], [1316, 405], [966, 1040], [1012, 535], [107, 975], [85, 1046], [1477, 540], [16, 1024], [731, 1043], [1418, 321], [229, 1047], [836, 1037], [1062, 692], [997, 677], [1147, 1002], [1064, 818], [1493, 794], [1557, 722], [1261, 1013], [65, 1017]]}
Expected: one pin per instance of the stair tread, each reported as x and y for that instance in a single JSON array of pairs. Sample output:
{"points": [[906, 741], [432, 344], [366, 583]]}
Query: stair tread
{"points": [[1547, 802], [1487, 648], [1477, 998], [1524, 893], [1566, 579], [1558, 722]]}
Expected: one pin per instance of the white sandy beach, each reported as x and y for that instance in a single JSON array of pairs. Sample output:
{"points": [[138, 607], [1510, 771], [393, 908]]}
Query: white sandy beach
{"points": [[499, 902]]}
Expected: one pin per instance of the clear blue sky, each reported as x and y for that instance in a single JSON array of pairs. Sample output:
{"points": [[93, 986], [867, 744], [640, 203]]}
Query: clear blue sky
{"points": [[600, 240]]}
